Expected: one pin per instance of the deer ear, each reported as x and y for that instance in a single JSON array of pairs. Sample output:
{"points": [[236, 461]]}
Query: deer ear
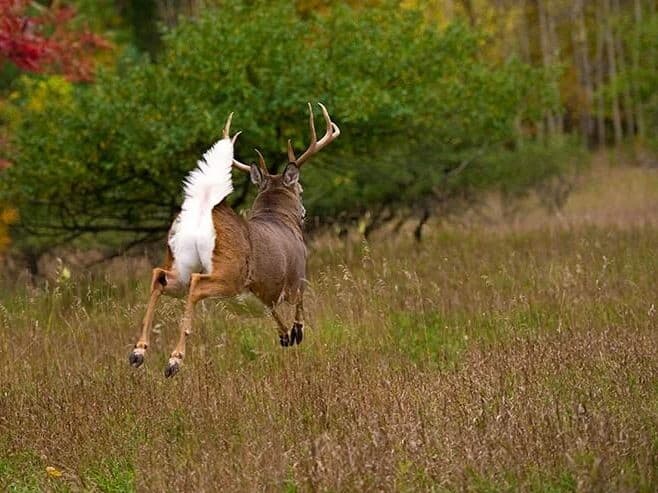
{"points": [[290, 175], [256, 175]]}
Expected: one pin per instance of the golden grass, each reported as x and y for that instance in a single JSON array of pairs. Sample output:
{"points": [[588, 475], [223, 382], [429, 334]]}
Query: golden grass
{"points": [[486, 359]]}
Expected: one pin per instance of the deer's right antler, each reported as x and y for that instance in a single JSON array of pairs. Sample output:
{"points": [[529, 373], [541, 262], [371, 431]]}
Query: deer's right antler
{"points": [[226, 134], [316, 145], [261, 163]]}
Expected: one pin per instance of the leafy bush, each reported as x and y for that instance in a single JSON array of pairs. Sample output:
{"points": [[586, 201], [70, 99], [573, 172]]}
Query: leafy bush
{"points": [[415, 105]]}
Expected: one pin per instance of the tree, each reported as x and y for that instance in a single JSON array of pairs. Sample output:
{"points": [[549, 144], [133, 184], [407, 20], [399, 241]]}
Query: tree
{"points": [[41, 40], [418, 108], [37, 39]]}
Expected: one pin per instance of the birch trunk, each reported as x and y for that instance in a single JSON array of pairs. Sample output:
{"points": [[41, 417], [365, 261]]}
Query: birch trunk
{"points": [[581, 55], [523, 32], [629, 114], [612, 73], [600, 100], [546, 56]]}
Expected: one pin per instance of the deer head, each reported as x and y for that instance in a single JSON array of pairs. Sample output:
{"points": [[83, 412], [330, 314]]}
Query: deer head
{"points": [[287, 182]]}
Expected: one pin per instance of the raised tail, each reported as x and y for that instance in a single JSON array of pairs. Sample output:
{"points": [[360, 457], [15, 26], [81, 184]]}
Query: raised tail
{"points": [[192, 235], [210, 182]]}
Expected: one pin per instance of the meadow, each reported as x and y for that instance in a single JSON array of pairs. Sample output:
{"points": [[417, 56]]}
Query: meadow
{"points": [[497, 355]]}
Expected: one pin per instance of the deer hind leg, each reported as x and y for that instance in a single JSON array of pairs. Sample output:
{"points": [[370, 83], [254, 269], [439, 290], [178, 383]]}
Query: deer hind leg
{"points": [[201, 286], [162, 281]]}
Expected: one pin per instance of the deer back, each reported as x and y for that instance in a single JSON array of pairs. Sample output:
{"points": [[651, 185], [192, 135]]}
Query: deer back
{"points": [[278, 252]]}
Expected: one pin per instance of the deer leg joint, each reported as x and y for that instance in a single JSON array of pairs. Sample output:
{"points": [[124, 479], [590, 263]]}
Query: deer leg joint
{"points": [[174, 364]]}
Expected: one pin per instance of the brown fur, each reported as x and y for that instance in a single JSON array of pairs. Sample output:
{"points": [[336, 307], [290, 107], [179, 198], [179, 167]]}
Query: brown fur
{"points": [[264, 254], [278, 252]]}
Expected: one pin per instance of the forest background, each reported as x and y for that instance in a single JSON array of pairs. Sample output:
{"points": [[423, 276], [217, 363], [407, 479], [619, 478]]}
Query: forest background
{"points": [[106, 105]]}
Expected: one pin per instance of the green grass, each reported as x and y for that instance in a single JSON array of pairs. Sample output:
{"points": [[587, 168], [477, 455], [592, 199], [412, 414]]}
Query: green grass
{"points": [[486, 359], [111, 476]]}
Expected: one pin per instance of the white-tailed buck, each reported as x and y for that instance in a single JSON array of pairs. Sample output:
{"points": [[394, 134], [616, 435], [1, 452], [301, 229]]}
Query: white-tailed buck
{"points": [[214, 252]]}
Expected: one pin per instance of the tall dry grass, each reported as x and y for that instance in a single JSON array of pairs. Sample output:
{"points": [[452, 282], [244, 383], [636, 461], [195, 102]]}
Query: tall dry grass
{"points": [[486, 359]]}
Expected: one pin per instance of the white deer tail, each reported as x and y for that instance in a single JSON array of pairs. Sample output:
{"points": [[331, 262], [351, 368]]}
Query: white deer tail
{"points": [[192, 235], [210, 182]]}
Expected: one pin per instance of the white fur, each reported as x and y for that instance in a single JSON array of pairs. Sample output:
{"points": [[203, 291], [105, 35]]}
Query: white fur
{"points": [[192, 235]]}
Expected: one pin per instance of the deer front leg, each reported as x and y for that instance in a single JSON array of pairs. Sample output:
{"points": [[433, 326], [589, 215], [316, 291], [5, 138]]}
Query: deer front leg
{"points": [[158, 283], [201, 286], [296, 333], [284, 336]]}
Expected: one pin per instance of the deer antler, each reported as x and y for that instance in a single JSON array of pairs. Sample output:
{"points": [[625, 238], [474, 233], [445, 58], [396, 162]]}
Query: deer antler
{"points": [[227, 126], [225, 134], [316, 145], [261, 163]]}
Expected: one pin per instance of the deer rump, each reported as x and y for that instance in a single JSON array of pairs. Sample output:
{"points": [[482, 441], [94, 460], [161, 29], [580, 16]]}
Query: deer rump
{"points": [[192, 235]]}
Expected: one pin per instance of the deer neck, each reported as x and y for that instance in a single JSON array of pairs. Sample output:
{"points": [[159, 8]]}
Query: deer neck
{"points": [[282, 206]]}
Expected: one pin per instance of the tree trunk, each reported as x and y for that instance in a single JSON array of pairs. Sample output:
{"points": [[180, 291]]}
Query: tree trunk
{"points": [[635, 56], [470, 12], [32, 262], [523, 32], [612, 73], [547, 57], [581, 56], [629, 119], [418, 231], [554, 51], [600, 100], [449, 10]]}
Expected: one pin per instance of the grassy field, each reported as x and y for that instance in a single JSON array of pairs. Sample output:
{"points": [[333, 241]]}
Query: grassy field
{"points": [[493, 357]]}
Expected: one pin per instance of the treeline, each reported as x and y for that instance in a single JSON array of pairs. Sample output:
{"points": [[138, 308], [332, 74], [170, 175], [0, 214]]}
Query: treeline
{"points": [[604, 54], [437, 103]]}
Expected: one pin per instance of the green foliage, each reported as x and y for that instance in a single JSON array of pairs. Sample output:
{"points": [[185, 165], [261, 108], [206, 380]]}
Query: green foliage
{"points": [[645, 43], [646, 75], [542, 168], [413, 103], [639, 78]]}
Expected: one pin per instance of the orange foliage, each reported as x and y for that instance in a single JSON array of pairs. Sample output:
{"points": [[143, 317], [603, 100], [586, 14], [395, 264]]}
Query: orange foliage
{"points": [[8, 216]]}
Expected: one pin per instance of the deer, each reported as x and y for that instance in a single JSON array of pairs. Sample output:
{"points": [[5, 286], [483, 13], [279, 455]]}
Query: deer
{"points": [[212, 251]]}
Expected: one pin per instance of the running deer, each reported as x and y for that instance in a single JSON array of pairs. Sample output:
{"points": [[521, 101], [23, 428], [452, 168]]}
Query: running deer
{"points": [[214, 252]]}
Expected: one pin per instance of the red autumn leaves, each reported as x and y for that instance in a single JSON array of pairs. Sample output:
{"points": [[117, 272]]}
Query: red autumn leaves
{"points": [[40, 39]]}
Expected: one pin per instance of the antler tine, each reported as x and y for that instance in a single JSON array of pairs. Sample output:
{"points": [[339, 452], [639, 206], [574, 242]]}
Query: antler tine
{"points": [[316, 145], [236, 164], [241, 166], [261, 162], [335, 131], [291, 153], [311, 123], [227, 126]]}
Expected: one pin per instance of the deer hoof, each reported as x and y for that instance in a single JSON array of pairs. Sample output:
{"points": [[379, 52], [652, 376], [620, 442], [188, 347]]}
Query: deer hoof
{"points": [[172, 367], [136, 357], [296, 333], [285, 341]]}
